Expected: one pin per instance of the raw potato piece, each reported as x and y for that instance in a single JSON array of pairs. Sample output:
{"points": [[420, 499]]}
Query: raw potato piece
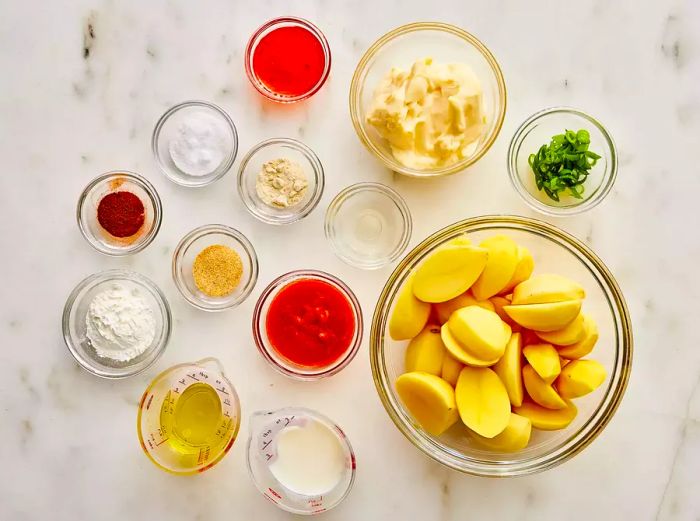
{"points": [[480, 331], [499, 269], [572, 333], [460, 352], [426, 351], [509, 369], [451, 369], [580, 377], [547, 419], [429, 399], [498, 304], [410, 314], [448, 272], [546, 288], [515, 437], [541, 392], [544, 359], [482, 401], [544, 317], [585, 346], [445, 309], [523, 270]]}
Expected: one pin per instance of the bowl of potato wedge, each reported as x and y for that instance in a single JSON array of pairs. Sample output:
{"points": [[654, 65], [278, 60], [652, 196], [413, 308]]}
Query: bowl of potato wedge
{"points": [[501, 346]]}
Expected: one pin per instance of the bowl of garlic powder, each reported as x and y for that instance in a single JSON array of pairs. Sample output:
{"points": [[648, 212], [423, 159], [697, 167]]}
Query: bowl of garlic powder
{"points": [[280, 180], [116, 323]]}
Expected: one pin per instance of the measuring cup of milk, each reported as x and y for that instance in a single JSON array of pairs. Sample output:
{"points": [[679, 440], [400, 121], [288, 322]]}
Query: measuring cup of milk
{"points": [[300, 460]]}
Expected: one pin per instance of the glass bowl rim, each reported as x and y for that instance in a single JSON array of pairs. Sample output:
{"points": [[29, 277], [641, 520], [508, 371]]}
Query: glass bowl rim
{"points": [[605, 409], [254, 39], [347, 192], [376, 47], [279, 283], [153, 196], [105, 276], [316, 166], [202, 231], [609, 175], [223, 168]]}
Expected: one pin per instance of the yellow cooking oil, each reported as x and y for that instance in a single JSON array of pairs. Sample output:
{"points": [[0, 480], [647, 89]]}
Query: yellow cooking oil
{"points": [[194, 422]]}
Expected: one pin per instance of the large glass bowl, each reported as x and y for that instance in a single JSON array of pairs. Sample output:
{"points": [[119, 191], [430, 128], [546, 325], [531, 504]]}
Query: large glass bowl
{"points": [[401, 48], [554, 251]]}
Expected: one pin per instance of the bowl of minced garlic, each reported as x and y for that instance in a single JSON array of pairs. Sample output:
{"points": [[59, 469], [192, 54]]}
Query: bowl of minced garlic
{"points": [[215, 267]]}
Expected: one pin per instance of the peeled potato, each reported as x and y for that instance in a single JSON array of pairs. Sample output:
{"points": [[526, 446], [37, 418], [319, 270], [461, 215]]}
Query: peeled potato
{"points": [[460, 352], [570, 334], [409, 315], [546, 288], [482, 401], [523, 270], [443, 310], [514, 437], [544, 317], [547, 419], [500, 266], [509, 369], [426, 351], [540, 391], [448, 272], [498, 304], [480, 331], [580, 377], [585, 345], [429, 399], [544, 359], [451, 367]]}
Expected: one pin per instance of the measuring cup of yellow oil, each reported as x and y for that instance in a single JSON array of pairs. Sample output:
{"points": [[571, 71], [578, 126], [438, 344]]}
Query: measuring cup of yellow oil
{"points": [[300, 460], [189, 417]]}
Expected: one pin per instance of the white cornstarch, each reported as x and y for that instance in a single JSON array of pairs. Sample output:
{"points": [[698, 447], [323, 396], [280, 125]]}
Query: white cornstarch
{"points": [[281, 183], [120, 323]]}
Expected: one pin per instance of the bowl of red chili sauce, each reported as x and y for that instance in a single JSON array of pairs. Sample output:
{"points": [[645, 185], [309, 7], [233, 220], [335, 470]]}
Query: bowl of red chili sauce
{"points": [[119, 213], [288, 59], [307, 324]]}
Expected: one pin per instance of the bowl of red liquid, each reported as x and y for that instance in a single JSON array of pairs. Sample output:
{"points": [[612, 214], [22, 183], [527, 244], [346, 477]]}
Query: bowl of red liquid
{"points": [[288, 59], [307, 324]]}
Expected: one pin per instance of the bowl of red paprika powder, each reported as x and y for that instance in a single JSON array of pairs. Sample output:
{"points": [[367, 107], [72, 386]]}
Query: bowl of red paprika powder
{"points": [[119, 213]]}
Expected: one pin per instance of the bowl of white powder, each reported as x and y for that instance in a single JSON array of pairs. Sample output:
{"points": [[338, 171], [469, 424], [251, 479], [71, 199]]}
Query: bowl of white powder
{"points": [[116, 323]]}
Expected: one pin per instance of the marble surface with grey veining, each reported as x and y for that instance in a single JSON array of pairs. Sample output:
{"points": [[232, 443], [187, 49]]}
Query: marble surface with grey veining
{"points": [[81, 85]]}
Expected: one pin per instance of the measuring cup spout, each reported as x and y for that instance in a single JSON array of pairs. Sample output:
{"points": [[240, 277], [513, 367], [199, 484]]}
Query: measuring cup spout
{"points": [[211, 363]]}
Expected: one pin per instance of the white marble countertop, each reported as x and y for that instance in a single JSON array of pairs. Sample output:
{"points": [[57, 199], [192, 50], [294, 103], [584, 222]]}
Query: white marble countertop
{"points": [[73, 106]]}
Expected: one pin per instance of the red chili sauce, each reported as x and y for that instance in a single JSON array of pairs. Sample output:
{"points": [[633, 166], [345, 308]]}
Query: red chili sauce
{"points": [[310, 323], [289, 60]]}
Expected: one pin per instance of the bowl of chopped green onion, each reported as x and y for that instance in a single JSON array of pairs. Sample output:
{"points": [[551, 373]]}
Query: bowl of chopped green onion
{"points": [[562, 161]]}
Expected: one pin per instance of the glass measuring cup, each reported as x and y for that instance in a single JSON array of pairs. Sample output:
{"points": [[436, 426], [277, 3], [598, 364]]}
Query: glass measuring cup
{"points": [[189, 417], [265, 426]]}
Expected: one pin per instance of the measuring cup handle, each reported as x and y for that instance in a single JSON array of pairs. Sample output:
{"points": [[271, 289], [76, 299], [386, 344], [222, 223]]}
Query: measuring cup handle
{"points": [[211, 362]]}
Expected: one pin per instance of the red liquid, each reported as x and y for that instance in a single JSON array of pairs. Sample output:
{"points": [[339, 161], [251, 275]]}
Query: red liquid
{"points": [[310, 323], [289, 61]]}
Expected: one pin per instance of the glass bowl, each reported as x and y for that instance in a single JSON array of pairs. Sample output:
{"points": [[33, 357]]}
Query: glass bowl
{"points": [[278, 148], [285, 21], [192, 244], [118, 181], [444, 43], [537, 130], [169, 126], [280, 363], [74, 327], [368, 225], [554, 251]]}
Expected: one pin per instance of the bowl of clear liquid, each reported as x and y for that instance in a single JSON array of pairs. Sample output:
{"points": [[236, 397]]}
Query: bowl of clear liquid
{"points": [[368, 225]]}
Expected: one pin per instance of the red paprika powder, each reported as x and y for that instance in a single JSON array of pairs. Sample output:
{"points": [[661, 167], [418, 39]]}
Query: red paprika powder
{"points": [[121, 213]]}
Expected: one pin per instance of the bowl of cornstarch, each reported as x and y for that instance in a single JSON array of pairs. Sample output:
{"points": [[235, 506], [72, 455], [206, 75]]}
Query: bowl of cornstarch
{"points": [[116, 323]]}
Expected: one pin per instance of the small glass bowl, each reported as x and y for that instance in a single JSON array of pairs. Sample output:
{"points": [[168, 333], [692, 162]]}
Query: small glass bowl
{"points": [[194, 242], [285, 21], [350, 215], [74, 327], [118, 181], [167, 128], [401, 47], [278, 148], [268, 352], [537, 130]]}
